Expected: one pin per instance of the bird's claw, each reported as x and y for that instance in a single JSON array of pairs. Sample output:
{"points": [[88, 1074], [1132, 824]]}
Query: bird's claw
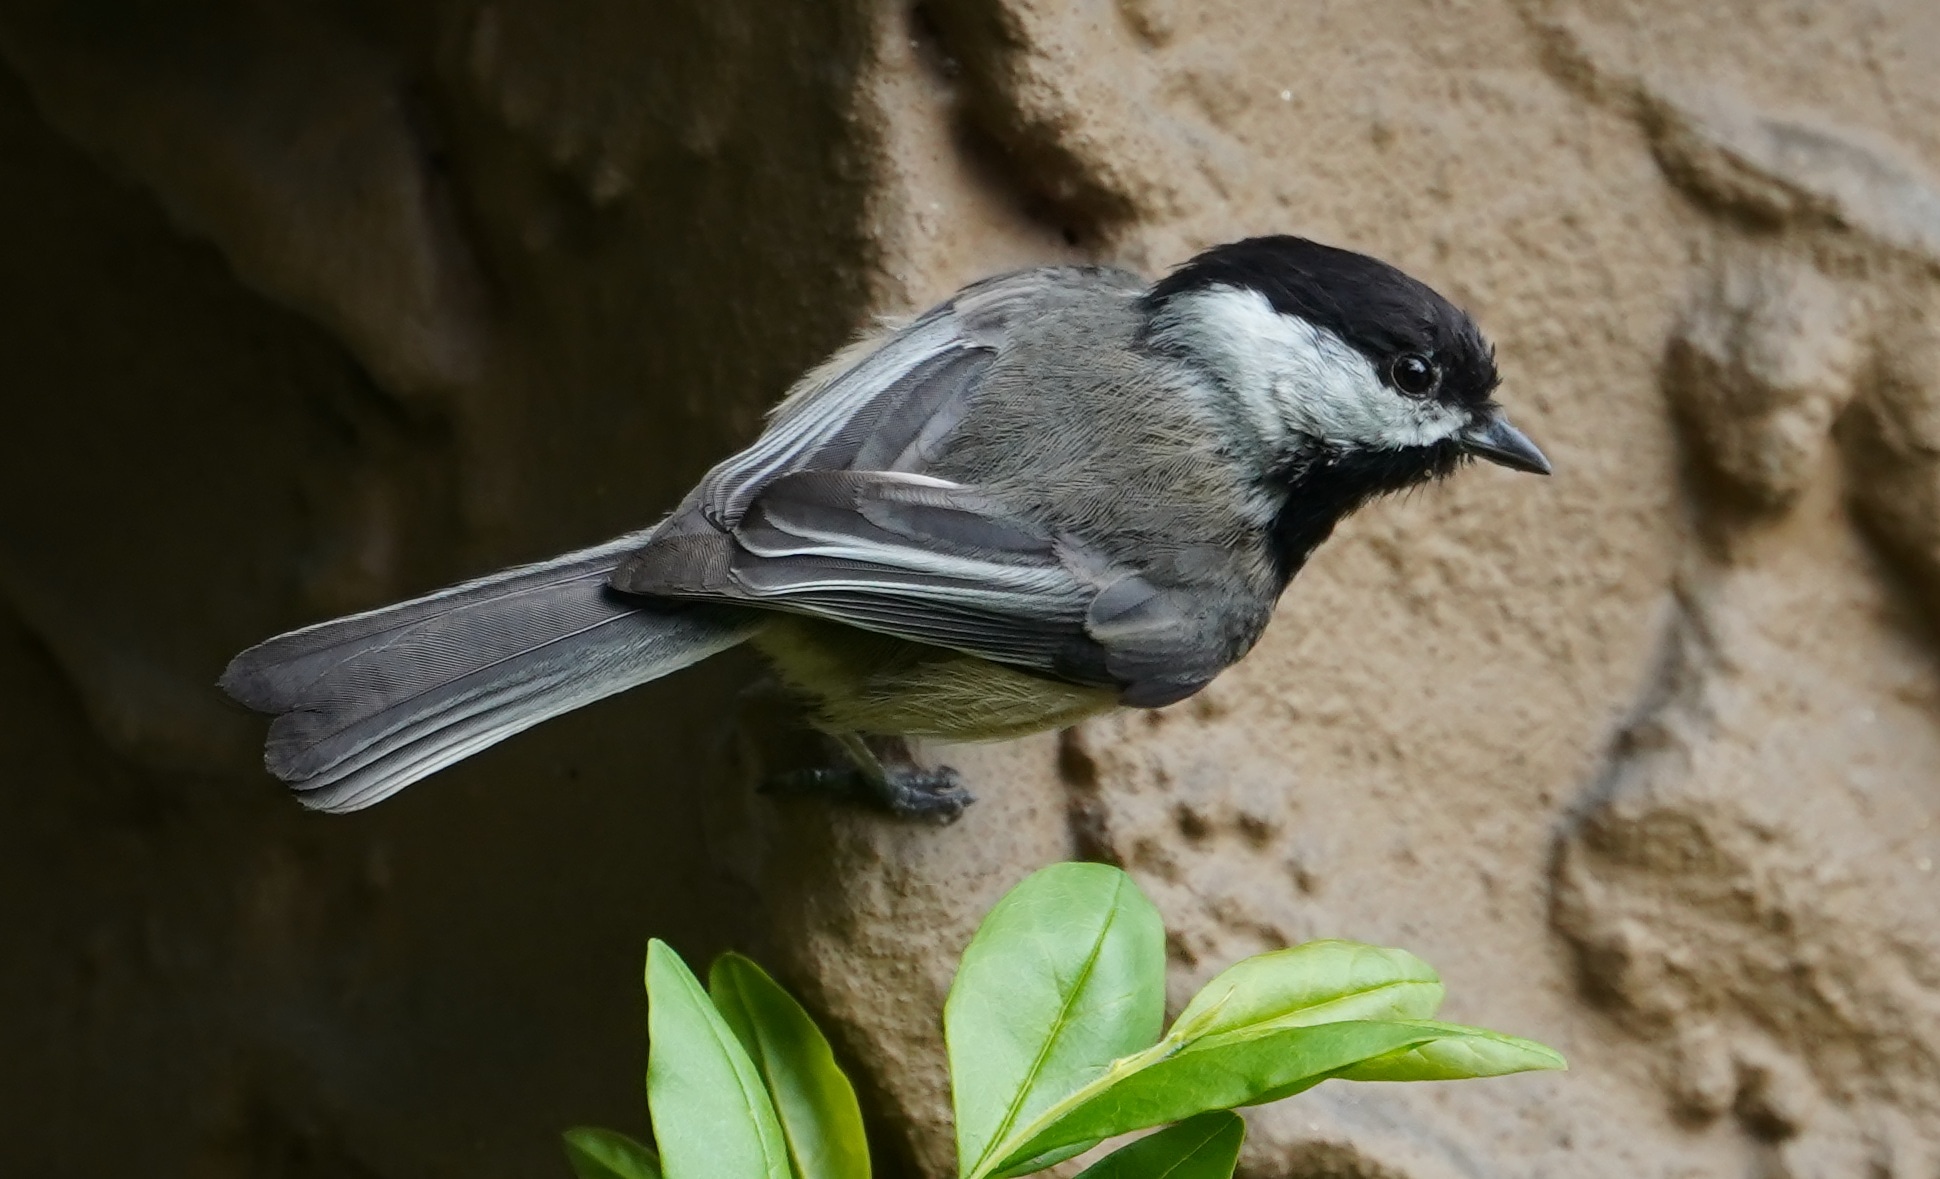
{"points": [[906, 792], [937, 794]]}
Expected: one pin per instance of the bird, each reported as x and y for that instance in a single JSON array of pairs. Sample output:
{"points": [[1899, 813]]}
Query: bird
{"points": [[1063, 490]]}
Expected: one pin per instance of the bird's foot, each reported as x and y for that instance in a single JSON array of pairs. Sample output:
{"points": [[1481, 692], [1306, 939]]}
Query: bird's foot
{"points": [[909, 792], [917, 793]]}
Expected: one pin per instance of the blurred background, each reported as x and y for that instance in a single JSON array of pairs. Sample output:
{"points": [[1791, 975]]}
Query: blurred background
{"points": [[308, 307]]}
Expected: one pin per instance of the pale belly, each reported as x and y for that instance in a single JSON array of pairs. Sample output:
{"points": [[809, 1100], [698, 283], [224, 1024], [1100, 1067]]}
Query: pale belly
{"points": [[858, 682]]}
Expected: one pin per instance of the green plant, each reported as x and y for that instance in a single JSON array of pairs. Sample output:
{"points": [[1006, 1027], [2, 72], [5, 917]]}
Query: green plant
{"points": [[1053, 1029]]}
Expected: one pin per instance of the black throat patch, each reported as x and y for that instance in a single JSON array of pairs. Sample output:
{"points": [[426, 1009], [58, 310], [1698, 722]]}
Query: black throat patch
{"points": [[1324, 488]]}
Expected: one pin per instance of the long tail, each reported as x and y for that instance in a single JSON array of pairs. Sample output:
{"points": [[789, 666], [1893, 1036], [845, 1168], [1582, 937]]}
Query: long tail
{"points": [[367, 705]]}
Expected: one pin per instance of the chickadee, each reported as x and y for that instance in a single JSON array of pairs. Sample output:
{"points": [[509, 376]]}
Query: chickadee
{"points": [[1063, 490]]}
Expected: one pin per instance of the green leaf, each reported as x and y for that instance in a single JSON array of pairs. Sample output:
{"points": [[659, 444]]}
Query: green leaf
{"points": [[711, 1117], [1317, 982], [816, 1104], [1049, 1158], [1065, 975], [1205, 1147], [607, 1154], [1458, 1053], [1171, 1083]]}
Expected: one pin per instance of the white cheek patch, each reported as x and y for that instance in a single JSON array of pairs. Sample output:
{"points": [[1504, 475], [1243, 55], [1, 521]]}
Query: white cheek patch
{"points": [[1295, 379]]}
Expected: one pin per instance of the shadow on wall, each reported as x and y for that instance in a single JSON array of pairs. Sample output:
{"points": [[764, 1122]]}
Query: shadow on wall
{"points": [[303, 312]]}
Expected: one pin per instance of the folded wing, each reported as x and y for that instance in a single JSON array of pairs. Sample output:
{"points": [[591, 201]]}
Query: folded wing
{"points": [[831, 513], [935, 562]]}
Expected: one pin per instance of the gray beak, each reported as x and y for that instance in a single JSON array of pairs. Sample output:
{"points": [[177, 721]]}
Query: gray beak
{"points": [[1493, 438]]}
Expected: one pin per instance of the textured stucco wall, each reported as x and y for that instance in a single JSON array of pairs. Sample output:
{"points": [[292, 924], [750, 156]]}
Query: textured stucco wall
{"points": [[306, 309]]}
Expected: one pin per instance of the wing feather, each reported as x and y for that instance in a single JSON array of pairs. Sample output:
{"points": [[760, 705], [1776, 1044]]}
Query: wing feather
{"points": [[908, 556], [889, 404], [831, 514]]}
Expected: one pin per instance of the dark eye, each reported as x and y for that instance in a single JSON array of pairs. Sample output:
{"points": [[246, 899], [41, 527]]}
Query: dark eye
{"points": [[1414, 374]]}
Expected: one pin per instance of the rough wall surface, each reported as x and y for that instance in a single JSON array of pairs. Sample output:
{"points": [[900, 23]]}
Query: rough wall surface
{"points": [[309, 308]]}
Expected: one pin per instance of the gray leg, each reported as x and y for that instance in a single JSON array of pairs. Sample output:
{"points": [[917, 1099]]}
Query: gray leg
{"points": [[886, 774]]}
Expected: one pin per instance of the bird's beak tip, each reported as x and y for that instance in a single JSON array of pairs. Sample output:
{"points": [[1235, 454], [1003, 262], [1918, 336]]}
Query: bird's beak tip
{"points": [[1494, 439]]}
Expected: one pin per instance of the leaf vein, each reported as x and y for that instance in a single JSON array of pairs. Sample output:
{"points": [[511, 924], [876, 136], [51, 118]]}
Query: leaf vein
{"points": [[1002, 1131]]}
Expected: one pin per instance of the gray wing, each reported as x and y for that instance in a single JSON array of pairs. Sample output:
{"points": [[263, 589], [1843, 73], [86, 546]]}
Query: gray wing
{"points": [[939, 563], [829, 514], [890, 405]]}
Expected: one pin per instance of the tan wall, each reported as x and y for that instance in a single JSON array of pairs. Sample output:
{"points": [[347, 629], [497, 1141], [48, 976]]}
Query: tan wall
{"points": [[302, 313]]}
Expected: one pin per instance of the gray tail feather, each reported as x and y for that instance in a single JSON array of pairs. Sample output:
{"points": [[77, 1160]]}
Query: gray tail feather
{"points": [[369, 704]]}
